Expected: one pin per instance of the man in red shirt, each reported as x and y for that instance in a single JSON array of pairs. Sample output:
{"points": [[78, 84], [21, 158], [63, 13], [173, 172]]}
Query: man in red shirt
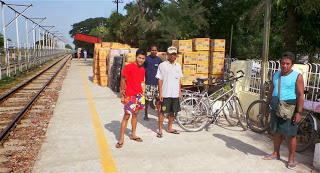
{"points": [[132, 94]]}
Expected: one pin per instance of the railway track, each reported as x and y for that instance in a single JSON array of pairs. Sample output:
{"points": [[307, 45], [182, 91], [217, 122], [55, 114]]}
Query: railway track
{"points": [[24, 115]]}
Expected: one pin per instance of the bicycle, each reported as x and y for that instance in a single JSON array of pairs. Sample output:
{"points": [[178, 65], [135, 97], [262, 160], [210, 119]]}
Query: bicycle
{"points": [[194, 115], [307, 128], [257, 119], [192, 98], [260, 123]]}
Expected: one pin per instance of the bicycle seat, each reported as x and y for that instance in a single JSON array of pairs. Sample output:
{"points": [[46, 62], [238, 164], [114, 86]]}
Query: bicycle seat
{"points": [[201, 80]]}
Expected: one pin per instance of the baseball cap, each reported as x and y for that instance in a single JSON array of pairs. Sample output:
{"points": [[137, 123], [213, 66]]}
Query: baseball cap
{"points": [[172, 50]]}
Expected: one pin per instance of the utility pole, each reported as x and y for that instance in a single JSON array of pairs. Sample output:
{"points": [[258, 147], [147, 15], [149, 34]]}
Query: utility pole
{"points": [[118, 1], [265, 49]]}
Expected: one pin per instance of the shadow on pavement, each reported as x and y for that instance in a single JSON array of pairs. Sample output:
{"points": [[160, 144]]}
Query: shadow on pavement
{"points": [[152, 124], [90, 78], [236, 144], [115, 128]]}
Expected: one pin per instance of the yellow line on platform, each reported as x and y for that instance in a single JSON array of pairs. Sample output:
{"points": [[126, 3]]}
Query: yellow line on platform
{"points": [[108, 164]]}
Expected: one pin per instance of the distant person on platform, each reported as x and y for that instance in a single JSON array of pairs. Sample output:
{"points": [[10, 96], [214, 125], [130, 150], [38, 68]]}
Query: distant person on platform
{"points": [[78, 54], [151, 66], [75, 53], [169, 74], [85, 54], [132, 96]]}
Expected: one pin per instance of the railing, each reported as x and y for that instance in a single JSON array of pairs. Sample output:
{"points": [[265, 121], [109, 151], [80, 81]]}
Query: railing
{"points": [[14, 59], [311, 78]]}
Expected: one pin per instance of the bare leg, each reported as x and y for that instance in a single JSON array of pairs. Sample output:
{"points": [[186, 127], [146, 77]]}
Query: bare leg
{"points": [[160, 121], [277, 139], [123, 127], [170, 117], [158, 104], [134, 121], [292, 146], [146, 110]]}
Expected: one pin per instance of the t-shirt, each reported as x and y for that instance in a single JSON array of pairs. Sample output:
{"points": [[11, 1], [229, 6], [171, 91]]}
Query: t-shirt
{"points": [[170, 74], [151, 66], [135, 76], [287, 87]]}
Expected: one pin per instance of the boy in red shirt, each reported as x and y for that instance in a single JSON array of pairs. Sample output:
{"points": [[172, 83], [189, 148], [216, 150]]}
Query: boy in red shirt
{"points": [[132, 96]]}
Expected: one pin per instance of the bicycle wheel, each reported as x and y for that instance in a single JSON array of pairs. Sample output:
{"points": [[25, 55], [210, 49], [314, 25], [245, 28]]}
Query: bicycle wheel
{"points": [[193, 116], [240, 112], [230, 112], [256, 119], [306, 133]]}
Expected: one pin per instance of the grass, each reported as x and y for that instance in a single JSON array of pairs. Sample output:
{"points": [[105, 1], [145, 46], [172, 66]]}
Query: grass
{"points": [[7, 80]]}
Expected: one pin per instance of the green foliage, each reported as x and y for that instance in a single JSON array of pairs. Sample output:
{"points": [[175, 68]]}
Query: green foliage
{"points": [[1, 40], [158, 22], [6, 80], [68, 46]]}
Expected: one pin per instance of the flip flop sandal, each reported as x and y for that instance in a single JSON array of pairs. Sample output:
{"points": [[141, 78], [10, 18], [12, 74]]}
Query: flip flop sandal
{"points": [[159, 135], [118, 145], [138, 139], [269, 157], [174, 132], [291, 166]]}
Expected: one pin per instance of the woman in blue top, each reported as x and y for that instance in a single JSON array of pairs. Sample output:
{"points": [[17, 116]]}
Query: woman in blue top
{"points": [[291, 91]]}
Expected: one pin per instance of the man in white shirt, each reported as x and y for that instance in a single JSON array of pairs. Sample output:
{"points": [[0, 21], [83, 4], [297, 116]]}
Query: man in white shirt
{"points": [[168, 75]]}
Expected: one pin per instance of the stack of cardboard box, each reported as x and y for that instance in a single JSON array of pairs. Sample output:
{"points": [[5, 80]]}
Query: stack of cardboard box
{"points": [[103, 60], [201, 58], [217, 56], [100, 64], [96, 70]]}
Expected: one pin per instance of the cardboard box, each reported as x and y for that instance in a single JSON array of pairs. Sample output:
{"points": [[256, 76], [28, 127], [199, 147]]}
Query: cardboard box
{"points": [[201, 44], [130, 57], [104, 80], [202, 68], [106, 44], [179, 59], [217, 56], [203, 57], [103, 70], [189, 69], [188, 79], [103, 53], [96, 71], [218, 45], [202, 76], [183, 45], [217, 68], [190, 57], [162, 55], [102, 62], [96, 79]]}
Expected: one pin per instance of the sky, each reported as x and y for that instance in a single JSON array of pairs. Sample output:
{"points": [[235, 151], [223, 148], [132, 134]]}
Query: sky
{"points": [[60, 13]]}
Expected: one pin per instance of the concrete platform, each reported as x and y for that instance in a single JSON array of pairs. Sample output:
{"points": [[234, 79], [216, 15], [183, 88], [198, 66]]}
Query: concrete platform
{"points": [[85, 127]]}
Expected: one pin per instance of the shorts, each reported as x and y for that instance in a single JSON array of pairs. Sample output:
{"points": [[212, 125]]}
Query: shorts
{"points": [[152, 91], [133, 103], [280, 125], [170, 105]]}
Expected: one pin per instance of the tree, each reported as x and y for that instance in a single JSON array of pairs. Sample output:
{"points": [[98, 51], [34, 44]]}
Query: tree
{"points": [[296, 14], [68, 46], [85, 27], [1, 40]]}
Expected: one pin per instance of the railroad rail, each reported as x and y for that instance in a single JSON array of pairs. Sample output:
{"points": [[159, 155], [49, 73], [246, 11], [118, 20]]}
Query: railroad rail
{"points": [[16, 102]]}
